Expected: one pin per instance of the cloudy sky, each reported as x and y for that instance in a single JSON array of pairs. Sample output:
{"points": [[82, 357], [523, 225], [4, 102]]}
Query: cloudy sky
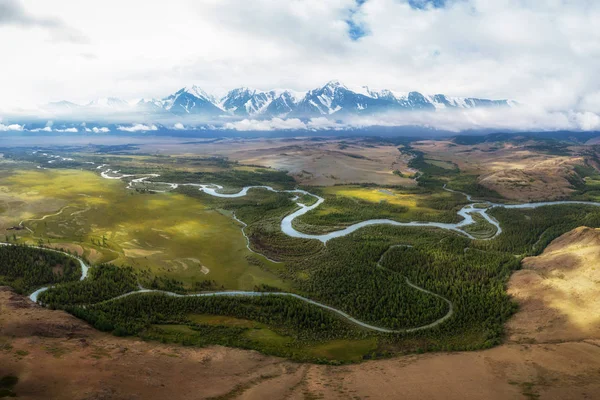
{"points": [[541, 52]]}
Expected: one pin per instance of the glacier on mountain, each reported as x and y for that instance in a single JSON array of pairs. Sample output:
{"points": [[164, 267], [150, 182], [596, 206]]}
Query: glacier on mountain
{"points": [[333, 99]]}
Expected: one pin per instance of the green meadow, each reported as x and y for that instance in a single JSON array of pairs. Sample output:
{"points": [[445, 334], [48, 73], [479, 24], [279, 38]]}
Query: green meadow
{"points": [[187, 240], [348, 204], [169, 234]]}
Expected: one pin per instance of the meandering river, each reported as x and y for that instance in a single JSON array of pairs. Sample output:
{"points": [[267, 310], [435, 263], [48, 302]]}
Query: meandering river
{"points": [[466, 213], [287, 227], [233, 293]]}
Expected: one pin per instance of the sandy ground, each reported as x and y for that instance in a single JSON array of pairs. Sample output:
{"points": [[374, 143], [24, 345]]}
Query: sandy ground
{"points": [[514, 171], [559, 291], [552, 352], [56, 356], [322, 163]]}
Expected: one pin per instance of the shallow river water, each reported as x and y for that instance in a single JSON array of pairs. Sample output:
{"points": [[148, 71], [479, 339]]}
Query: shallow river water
{"points": [[287, 227]]}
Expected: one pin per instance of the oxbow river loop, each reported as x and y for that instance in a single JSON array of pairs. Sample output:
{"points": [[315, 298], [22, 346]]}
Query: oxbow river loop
{"points": [[466, 213]]}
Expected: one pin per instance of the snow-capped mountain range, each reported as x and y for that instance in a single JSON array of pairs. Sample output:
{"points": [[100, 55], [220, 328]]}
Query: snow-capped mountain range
{"points": [[333, 99]]}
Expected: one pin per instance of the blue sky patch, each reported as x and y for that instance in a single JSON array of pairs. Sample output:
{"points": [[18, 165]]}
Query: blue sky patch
{"points": [[356, 30], [423, 4]]}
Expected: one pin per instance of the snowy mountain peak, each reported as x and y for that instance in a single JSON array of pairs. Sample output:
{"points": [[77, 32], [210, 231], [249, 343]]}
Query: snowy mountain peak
{"points": [[252, 102], [334, 84], [192, 100], [244, 89], [62, 106], [198, 92], [108, 102], [332, 98]]}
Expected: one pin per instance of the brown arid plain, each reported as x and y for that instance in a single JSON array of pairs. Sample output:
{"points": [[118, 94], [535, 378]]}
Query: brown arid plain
{"points": [[515, 170], [311, 162], [552, 351]]}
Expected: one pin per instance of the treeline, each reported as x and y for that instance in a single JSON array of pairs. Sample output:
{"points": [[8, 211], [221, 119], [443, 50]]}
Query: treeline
{"points": [[267, 238], [432, 176], [473, 280], [348, 210], [529, 231], [166, 284], [347, 277], [360, 274], [468, 184], [173, 285], [338, 211], [257, 205], [103, 282], [586, 180], [444, 201], [233, 178], [131, 315], [26, 268], [481, 228], [263, 211]]}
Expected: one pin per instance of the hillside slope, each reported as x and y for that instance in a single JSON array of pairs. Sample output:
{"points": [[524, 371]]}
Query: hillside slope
{"points": [[559, 291], [553, 352]]}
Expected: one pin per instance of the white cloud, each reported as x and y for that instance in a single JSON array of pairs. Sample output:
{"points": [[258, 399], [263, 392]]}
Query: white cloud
{"points": [[13, 13], [45, 129], [67, 130], [178, 126], [282, 124], [323, 123], [11, 127], [515, 119], [540, 52], [138, 128], [266, 125], [100, 130], [587, 121]]}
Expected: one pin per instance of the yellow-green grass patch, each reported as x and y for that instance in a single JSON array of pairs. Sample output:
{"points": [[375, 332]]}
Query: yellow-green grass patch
{"points": [[267, 338], [174, 328], [349, 204], [374, 195], [377, 195], [440, 163], [143, 230], [222, 320], [343, 349]]}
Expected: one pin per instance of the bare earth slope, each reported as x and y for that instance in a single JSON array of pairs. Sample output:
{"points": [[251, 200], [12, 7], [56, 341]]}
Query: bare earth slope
{"points": [[317, 163], [559, 291], [543, 180], [553, 352], [516, 171]]}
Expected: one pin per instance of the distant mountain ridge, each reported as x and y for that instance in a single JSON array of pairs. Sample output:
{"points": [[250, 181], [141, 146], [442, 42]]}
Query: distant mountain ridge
{"points": [[332, 99]]}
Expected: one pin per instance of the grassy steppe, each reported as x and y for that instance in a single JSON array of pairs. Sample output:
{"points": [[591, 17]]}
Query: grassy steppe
{"points": [[190, 236], [348, 204], [170, 234]]}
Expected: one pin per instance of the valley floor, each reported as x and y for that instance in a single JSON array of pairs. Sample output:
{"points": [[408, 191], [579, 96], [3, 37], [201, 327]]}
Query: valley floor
{"points": [[549, 349], [55, 355]]}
